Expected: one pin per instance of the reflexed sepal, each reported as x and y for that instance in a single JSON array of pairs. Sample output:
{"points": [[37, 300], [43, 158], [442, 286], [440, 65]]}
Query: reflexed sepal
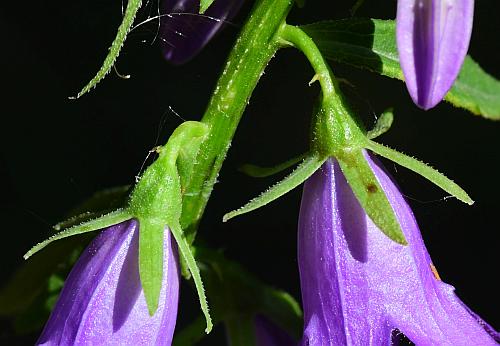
{"points": [[421, 168], [262, 172], [370, 195], [297, 177], [383, 124], [124, 28], [104, 221], [188, 257], [204, 5]]}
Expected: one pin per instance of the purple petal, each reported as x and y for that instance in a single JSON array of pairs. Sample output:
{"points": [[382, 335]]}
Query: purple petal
{"points": [[184, 32], [269, 334], [358, 285], [433, 37], [102, 302]]}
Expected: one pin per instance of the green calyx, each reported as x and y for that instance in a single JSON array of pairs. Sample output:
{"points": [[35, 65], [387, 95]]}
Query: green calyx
{"points": [[156, 202], [337, 134]]}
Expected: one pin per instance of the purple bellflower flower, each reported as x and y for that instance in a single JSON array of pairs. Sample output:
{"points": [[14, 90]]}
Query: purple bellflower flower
{"points": [[433, 37], [358, 286], [102, 301], [184, 32]]}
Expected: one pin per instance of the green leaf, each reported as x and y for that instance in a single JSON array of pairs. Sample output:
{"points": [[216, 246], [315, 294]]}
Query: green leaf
{"points": [[151, 260], [371, 44], [370, 195], [297, 177], [421, 168], [383, 124], [104, 221], [262, 172], [124, 28], [476, 91], [204, 5]]}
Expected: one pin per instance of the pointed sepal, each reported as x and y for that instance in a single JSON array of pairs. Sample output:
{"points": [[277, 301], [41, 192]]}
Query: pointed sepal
{"points": [[383, 124], [123, 30], [421, 168], [370, 194], [263, 172], [101, 222], [151, 261], [189, 260], [297, 177], [204, 5]]}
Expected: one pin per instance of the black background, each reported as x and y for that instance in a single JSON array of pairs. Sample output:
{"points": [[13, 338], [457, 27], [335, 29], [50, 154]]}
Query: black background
{"points": [[56, 152]]}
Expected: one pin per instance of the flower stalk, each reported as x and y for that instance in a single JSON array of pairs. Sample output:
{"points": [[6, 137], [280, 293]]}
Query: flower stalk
{"points": [[256, 45]]}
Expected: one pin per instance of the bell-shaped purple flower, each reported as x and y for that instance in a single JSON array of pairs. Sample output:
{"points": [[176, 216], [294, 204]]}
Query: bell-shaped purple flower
{"points": [[184, 32], [433, 37], [102, 301], [358, 286]]}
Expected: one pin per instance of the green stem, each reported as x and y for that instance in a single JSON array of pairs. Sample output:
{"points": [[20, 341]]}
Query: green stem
{"points": [[335, 129], [296, 37], [254, 48]]}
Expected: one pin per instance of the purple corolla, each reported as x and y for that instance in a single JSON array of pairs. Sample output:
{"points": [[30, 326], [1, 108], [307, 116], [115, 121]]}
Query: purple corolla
{"points": [[184, 32], [102, 301], [358, 286], [433, 37]]}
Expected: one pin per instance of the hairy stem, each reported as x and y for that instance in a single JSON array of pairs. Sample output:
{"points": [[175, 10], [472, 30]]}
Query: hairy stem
{"points": [[256, 45]]}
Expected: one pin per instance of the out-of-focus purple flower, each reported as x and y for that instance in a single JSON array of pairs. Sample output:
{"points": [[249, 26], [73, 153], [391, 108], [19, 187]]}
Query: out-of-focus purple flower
{"points": [[358, 286], [102, 301], [433, 37], [184, 32], [269, 334]]}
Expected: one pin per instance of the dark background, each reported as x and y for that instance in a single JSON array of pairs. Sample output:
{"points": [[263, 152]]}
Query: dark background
{"points": [[56, 152]]}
